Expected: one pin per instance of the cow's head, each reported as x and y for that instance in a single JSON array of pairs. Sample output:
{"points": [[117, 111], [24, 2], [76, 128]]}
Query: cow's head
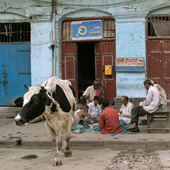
{"points": [[35, 101]]}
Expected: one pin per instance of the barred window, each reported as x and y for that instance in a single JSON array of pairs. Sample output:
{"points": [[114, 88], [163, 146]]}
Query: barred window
{"points": [[159, 26], [108, 29], [15, 32], [67, 30]]}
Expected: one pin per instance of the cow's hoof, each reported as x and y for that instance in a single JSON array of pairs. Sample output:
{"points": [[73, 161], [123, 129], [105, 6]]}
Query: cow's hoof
{"points": [[57, 163], [68, 154]]}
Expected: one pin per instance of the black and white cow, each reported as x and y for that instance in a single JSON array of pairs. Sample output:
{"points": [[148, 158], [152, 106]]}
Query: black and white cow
{"points": [[55, 100]]}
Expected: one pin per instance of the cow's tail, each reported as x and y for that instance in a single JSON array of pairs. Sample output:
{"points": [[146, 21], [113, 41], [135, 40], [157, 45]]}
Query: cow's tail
{"points": [[74, 121]]}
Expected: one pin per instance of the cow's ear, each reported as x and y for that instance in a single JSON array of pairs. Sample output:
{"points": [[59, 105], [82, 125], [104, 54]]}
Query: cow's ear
{"points": [[19, 101]]}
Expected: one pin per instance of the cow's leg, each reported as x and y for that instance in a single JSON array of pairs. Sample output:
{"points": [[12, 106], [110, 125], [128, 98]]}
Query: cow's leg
{"points": [[66, 140], [57, 160], [54, 136]]}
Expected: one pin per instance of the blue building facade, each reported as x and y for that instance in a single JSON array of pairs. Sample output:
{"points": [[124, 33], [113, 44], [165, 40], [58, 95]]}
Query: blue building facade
{"points": [[46, 38]]}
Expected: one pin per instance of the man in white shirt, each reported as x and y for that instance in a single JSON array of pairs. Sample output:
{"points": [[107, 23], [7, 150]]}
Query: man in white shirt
{"points": [[91, 91], [94, 110], [148, 106], [125, 110], [162, 93]]}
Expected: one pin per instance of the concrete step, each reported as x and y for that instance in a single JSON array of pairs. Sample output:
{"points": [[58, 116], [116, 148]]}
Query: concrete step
{"points": [[9, 112]]}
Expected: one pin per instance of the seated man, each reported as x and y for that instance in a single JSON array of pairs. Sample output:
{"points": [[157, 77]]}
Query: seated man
{"points": [[150, 105], [91, 91], [80, 116], [162, 93], [109, 119], [125, 110], [94, 110]]}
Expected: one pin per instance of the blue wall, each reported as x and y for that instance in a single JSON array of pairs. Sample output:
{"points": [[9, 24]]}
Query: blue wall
{"points": [[130, 43], [130, 33], [41, 54]]}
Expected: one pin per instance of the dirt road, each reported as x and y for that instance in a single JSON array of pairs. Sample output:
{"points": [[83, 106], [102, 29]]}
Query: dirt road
{"points": [[84, 159]]}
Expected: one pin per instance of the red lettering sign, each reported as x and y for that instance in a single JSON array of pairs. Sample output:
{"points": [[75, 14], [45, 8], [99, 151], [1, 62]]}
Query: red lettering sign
{"points": [[131, 60]]}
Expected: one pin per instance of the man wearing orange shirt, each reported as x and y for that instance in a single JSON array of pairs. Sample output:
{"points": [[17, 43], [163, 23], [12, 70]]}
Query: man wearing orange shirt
{"points": [[109, 119]]}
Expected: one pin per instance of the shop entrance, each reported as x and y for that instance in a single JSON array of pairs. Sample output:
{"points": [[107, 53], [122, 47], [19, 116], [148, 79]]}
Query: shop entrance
{"points": [[82, 62], [88, 52], [86, 66]]}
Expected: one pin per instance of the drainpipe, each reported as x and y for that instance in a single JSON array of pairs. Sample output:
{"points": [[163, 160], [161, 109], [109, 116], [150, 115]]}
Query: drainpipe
{"points": [[53, 37]]}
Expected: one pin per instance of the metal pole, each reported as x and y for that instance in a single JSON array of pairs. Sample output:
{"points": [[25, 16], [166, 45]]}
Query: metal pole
{"points": [[53, 37]]}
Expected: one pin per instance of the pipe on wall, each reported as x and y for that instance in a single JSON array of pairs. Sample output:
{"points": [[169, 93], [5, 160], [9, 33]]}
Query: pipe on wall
{"points": [[53, 37]]}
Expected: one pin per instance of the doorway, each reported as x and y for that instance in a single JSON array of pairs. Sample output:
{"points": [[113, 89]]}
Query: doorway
{"points": [[15, 71], [158, 51], [82, 62], [86, 66], [15, 61]]}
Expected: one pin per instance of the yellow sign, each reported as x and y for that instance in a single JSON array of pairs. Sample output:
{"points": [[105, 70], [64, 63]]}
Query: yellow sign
{"points": [[108, 69]]}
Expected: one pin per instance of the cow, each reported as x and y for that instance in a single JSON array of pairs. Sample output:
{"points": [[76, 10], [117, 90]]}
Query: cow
{"points": [[54, 100]]}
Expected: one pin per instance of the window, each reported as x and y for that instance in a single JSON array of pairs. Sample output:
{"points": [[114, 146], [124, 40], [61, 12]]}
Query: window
{"points": [[108, 29], [67, 30], [159, 26], [15, 32]]}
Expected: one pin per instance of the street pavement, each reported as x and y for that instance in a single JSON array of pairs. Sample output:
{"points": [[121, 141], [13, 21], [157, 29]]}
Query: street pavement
{"points": [[36, 135]]}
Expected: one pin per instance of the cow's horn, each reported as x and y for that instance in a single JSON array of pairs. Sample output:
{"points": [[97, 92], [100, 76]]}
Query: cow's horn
{"points": [[26, 86]]}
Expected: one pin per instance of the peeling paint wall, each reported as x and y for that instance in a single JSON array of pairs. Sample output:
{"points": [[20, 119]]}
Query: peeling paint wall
{"points": [[130, 16], [38, 13], [130, 32], [130, 43], [41, 55]]}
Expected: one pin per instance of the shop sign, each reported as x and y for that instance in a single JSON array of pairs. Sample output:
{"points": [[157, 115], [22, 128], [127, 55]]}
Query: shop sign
{"points": [[84, 30], [129, 64]]}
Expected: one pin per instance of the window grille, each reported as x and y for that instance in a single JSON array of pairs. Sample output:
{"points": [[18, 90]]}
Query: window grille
{"points": [[108, 29], [67, 30], [159, 26], [15, 32]]}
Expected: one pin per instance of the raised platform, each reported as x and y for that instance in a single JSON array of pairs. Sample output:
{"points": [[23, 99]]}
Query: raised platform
{"points": [[161, 114]]}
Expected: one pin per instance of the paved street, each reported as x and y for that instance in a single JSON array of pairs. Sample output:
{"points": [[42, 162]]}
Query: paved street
{"points": [[56, 55], [91, 159], [92, 151]]}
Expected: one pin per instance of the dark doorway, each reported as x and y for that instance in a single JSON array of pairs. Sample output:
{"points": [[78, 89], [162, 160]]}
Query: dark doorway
{"points": [[86, 66]]}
